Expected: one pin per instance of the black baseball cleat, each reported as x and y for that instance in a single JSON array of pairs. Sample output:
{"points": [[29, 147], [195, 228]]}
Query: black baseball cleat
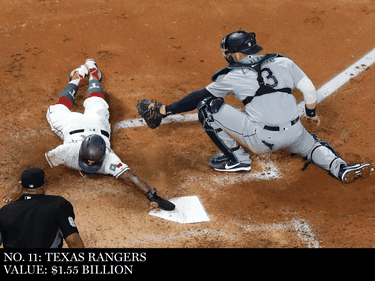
{"points": [[162, 203], [221, 163], [351, 172]]}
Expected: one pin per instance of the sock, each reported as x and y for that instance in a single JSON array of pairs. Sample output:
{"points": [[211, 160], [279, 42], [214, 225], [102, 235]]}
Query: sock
{"points": [[67, 97], [95, 89]]}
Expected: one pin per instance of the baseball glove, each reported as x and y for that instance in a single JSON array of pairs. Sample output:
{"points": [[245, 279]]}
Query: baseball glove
{"points": [[150, 112]]}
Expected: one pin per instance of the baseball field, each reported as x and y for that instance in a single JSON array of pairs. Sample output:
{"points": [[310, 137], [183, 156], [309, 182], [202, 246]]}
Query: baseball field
{"points": [[163, 50]]}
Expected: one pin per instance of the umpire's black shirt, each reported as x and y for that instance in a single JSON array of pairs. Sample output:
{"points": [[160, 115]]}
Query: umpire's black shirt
{"points": [[36, 221]]}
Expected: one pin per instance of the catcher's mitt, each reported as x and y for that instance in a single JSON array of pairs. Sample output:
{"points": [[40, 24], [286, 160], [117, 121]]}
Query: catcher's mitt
{"points": [[150, 111]]}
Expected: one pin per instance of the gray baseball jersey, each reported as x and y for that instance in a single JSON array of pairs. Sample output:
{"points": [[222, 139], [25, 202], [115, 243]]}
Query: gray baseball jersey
{"points": [[264, 84], [280, 72]]}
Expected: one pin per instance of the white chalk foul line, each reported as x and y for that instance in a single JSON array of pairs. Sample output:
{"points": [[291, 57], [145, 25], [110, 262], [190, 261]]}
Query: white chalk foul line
{"points": [[325, 91], [334, 84], [139, 122]]}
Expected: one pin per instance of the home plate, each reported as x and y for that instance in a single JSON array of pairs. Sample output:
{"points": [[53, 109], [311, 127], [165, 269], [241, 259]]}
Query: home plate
{"points": [[189, 209]]}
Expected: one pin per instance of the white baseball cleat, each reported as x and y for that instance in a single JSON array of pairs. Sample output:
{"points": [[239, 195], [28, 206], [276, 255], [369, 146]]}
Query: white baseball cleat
{"points": [[79, 73], [93, 70]]}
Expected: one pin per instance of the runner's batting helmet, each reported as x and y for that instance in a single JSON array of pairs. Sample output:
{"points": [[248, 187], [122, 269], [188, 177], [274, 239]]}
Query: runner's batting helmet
{"points": [[92, 153]]}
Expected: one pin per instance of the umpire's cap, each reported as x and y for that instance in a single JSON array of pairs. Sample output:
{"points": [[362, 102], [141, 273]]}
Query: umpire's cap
{"points": [[32, 178], [92, 153], [240, 41]]}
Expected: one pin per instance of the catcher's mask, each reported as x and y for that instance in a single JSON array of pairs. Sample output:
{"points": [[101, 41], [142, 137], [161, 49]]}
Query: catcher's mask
{"points": [[239, 41], [92, 153]]}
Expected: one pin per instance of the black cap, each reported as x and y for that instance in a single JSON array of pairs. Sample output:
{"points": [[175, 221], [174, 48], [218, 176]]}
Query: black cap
{"points": [[32, 178]]}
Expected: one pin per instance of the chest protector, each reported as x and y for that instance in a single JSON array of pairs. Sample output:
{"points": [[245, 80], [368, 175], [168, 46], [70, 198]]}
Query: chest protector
{"points": [[256, 67]]}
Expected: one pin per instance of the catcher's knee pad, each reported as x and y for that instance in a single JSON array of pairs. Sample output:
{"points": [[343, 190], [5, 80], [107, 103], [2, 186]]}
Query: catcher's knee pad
{"points": [[211, 104], [325, 156], [324, 143], [205, 110]]}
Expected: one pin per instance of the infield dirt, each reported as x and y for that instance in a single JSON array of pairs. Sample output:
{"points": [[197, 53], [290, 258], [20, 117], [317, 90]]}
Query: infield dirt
{"points": [[164, 50]]}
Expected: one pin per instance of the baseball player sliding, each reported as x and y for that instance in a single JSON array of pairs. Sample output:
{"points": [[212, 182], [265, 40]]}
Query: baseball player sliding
{"points": [[86, 136], [264, 84]]}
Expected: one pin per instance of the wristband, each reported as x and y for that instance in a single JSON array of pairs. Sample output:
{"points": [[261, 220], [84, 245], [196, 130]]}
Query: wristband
{"points": [[168, 111], [310, 112]]}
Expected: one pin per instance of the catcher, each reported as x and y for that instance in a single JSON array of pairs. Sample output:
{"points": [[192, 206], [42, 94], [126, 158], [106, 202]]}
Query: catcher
{"points": [[86, 136], [264, 84]]}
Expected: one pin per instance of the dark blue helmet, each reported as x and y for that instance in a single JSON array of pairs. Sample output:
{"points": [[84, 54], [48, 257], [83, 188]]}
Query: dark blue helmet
{"points": [[241, 42], [92, 153]]}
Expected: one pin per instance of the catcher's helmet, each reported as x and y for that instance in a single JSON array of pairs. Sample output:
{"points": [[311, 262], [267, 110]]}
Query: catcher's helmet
{"points": [[92, 153], [240, 41]]}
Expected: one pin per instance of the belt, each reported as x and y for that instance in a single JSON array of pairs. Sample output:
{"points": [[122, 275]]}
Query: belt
{"points": [[275, 128], [105, 133]]}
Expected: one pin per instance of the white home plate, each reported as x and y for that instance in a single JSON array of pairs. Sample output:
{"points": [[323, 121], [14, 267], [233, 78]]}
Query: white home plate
{"points": [[189, 209]]}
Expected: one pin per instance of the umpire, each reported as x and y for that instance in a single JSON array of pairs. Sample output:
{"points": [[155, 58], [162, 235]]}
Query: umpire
{"points": [[37, 220]]}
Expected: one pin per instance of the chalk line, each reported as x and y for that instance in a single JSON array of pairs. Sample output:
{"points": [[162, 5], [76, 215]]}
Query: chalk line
{"points": [[139, 122], [326, 90], [268, 171], [301, 227], [334, 84]]}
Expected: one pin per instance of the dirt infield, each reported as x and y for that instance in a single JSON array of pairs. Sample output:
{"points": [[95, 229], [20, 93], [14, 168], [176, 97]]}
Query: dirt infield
{"points": [[163, 50]]}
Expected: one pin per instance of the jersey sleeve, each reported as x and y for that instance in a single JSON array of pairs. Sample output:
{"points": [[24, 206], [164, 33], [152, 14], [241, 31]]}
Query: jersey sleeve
{"points": [[113, 165], [66, 154], [308, 90], [296, 73], [65, 219], [303, 83], [220, 88], [53, 158]]}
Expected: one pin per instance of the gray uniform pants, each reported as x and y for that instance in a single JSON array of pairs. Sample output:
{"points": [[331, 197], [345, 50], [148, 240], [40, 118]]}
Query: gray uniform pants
{"points": [[238, 129]]}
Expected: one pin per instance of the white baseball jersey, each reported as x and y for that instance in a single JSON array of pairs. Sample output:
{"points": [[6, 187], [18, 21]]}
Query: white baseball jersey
{"points": [[73, 127]]}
